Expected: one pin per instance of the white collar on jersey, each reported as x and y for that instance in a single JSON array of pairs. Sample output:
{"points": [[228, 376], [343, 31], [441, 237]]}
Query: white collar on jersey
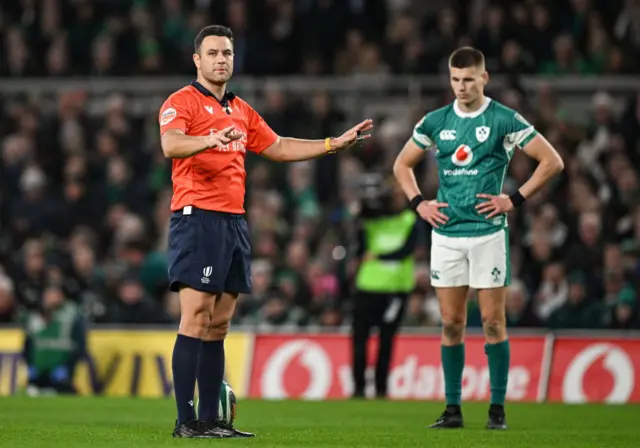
{"points": [[473, 114]]}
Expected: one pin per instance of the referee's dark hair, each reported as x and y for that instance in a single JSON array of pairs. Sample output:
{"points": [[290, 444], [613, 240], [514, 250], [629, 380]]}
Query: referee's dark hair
{"points": [[211, 30], [465, 57]]}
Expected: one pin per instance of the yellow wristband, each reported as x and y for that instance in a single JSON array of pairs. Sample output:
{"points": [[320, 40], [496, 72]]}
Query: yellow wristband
{"points": [[327, 145]]}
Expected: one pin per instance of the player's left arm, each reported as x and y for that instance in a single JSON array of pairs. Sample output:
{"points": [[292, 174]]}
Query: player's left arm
{"points": [[263, 140], [533, 144], [549, 164]]}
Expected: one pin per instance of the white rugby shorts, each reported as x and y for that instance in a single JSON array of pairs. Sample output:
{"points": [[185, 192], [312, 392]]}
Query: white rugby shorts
{"points": [[480, 262]]}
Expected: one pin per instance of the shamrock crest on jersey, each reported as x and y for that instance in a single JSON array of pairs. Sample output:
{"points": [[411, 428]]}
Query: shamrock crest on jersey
{"points": [[482, 133], [473, 153]]}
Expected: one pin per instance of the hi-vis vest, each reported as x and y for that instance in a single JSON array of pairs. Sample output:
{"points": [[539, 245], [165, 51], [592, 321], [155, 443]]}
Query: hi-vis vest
{"points": [[383, 236], [53, 340]]}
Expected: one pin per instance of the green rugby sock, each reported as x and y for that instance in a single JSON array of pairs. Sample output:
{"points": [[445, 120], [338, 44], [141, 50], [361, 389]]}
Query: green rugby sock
{"points": [[452, 366], [499, 358]]}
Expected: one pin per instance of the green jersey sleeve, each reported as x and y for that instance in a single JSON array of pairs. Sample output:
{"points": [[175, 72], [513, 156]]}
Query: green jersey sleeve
{"points": [[423, 132], [519, 132]]}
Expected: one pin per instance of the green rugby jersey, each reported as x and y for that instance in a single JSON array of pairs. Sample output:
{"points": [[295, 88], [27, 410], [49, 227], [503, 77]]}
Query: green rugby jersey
{"points": [[473, 150]]}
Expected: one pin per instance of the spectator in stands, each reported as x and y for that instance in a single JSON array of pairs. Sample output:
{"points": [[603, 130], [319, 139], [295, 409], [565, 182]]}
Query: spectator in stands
{"points": [[132, 305], [55, 340], [7, 300], [416, 315], [579, 310], [277, 312], [519, 314], [624, 313]]}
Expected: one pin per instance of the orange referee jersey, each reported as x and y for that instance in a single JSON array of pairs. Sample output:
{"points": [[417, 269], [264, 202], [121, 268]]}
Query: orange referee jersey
{"points": [[215, 178]]}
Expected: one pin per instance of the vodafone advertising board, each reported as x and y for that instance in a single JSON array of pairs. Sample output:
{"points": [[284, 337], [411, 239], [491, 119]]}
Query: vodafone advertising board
{"points": [[317, 367], [595, 370]]}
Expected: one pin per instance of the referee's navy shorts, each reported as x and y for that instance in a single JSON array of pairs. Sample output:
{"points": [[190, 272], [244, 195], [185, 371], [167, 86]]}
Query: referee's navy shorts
{"points": [[209, 251]]}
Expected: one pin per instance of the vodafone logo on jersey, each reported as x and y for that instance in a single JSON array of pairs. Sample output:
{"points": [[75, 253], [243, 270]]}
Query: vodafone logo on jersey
{"points": [[462, 156], [595, 371]]}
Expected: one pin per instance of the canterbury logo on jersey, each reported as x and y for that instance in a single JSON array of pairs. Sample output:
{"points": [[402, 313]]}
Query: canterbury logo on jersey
{"points": [[447, 135]]}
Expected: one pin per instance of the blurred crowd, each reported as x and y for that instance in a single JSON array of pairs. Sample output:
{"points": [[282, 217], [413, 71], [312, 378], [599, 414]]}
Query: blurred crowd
{"points": [[281, 37], [84, 199]]}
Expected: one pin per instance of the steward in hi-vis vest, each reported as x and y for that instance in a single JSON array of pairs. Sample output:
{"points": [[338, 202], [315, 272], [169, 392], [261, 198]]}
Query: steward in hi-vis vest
{"points": [[385, 278]]}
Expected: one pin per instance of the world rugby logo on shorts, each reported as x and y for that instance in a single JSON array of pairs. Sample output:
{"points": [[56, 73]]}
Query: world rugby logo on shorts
{"points": [[206, 272], [462, 156]]}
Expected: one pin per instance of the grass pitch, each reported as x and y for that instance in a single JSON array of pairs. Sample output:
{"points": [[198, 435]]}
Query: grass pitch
{"points": [[140, 423]]}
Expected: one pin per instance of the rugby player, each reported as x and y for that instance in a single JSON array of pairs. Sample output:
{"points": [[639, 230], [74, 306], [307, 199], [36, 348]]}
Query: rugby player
{"points": [[473, 138]]}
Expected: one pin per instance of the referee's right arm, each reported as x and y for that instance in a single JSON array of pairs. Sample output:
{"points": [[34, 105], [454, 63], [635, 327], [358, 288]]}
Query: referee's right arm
{"points": [[177, 145], [175, 117]]}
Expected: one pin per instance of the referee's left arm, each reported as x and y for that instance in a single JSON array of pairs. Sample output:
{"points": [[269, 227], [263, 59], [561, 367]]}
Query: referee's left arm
{"points": [[287, 149]]}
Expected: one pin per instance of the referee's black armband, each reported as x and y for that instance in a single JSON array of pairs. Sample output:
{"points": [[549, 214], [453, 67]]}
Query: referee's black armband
{"points": [[517, 199], [417, 200]]}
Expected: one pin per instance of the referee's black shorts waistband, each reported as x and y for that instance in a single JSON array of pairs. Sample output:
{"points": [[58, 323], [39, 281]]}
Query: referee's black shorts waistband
{"points": [[191, 210]]}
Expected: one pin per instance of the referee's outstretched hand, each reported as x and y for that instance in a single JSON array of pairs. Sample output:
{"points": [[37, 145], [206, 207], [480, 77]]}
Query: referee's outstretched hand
{"points": [[353, 135], [223, 137]]}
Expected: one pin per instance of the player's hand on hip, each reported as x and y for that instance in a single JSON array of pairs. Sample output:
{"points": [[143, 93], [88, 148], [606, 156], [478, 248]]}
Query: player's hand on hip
{"points": [[494, 205], [430, 212], [224, 137], [352, 136]]}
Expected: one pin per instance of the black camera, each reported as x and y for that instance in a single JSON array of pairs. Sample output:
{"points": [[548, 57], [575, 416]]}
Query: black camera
{"points": [[375, 194]]}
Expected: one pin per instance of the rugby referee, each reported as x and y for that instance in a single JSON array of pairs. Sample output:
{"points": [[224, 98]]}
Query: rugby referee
{"points": [[207, 131]]}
